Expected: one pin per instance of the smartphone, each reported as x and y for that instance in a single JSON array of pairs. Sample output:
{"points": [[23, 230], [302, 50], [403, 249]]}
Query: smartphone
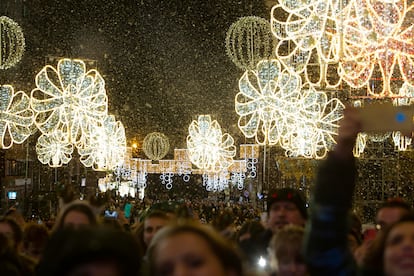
{"points": [[111, 214], [385, 117]]}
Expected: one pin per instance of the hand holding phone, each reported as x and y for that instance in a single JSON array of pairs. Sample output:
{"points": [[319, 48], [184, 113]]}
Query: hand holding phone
{"points": [[385, 117]]}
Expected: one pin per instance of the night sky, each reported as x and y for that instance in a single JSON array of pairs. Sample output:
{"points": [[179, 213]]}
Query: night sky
{"points": [[164, 62]]}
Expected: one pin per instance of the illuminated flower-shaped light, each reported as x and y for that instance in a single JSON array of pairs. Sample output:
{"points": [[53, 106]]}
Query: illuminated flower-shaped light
{"points": [[267, 95], [16, 117], [106, 147], [279, 110], [377, 40], [69, 99], [208, 148], [54, 149], [308, 38], [310, 132]]}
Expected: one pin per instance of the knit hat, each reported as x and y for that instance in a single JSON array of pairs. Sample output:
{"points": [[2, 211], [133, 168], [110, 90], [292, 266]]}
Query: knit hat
{"points": [[288, 194]]}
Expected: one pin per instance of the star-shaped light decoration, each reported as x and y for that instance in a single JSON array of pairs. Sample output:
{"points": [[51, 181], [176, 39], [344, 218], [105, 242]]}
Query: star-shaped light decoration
{"points": [[308, 38], [377, 44], [69, 98], [54, 149], [280, 110], [208, 148], [16, 117], [105, 149]]}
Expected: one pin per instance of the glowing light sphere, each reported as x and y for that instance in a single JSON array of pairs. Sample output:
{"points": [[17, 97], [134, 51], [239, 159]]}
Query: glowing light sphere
{"points": [[248, 41], [16, 117], [156, 145], [54, 149], [308, 34], [208, 148], [70, 99], [106, 147], [12, 44], [377, 44]]}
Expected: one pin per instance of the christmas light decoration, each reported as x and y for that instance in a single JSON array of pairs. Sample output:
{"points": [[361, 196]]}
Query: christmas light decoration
{"points": [[16, 117], [248, 41], [12, 44], [106, 146], [69, 99], [377, 43], [156, 145], [208, 148], [280, 110], [54, 149], [308, 38]]}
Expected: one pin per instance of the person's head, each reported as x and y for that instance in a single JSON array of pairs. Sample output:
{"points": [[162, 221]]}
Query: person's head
{"points": [[286, 252], [11, 229], [11, 262], [286, 206], [76, 214], [90, 251], [192, 248], [392, 252], [153, 222], [391, 211], [35, 237]]}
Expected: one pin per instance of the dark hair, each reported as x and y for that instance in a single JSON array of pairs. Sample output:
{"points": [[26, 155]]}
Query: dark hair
{"points": [[11, 263], [374, 260], [69, 249], [77, 206], [395, 203], [228, 256], [17, 230], [35, 234]]}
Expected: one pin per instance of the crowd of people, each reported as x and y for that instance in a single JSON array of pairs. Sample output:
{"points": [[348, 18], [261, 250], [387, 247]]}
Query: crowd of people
{"points": [[209, 238]]}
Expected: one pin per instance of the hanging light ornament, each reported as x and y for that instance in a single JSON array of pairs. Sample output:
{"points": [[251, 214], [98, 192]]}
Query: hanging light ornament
{"points": [[106, 147], [208, 148], [156, 145], [377, 39], [248, 41], [280, 110], [308, 39], [401, 141], [54, 149], [69, 99], [16, 117], [12, 43]]}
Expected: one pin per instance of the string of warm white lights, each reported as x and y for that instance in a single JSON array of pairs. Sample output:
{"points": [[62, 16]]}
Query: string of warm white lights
{"points": [[208, 148], [12, 44], [16, 117], [280, 110]]}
